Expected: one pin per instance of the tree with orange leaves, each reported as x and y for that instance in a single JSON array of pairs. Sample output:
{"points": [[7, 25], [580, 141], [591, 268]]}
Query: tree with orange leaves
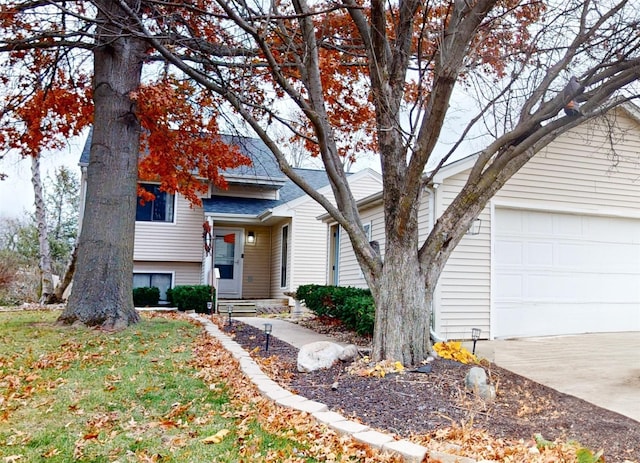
{"points": [[51, 93], [387, 70]]}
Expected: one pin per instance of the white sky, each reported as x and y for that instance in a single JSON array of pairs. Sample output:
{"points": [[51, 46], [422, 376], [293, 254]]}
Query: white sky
{"points": [[16, 192]]}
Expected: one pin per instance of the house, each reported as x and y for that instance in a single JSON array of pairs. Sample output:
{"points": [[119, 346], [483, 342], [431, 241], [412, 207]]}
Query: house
{"points": [[265, 239], [558, 250]]}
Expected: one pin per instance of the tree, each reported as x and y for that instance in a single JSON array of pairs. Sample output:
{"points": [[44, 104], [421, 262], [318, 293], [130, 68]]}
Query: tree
{"points": [[51, 94], [389, 69], [44, 264]]}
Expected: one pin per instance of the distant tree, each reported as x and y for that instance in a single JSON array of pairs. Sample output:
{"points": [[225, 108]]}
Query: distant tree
{"points": [[62, 200], [44, 261]]}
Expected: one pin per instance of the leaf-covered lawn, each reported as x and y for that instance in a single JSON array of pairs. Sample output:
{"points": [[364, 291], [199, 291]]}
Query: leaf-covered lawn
{"points": [[160, 391]]}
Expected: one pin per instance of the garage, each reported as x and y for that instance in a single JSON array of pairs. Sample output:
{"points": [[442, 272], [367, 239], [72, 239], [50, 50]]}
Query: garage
{"points": [[559, 273]]}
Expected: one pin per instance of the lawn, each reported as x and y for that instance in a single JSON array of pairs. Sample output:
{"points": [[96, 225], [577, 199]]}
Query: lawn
{"points": [[158, 391]]}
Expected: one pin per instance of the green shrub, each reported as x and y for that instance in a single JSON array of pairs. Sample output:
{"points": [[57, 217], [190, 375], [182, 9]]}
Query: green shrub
{"points": [[146, 296], [191, 297], [353, 306]]}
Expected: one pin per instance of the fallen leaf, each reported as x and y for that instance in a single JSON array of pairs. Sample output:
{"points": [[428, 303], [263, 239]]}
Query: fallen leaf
{"points": [[217, 437], [51, 453]]}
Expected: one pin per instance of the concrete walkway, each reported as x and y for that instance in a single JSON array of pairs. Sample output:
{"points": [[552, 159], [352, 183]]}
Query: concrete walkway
{"points": [[286, 331], [603, 368]]}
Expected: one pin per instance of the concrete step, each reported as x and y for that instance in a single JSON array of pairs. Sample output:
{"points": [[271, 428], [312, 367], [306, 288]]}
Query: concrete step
{"points": [[251, 307]]}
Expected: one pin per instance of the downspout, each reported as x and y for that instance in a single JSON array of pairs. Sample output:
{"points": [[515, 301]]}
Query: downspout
{"points": [[431, 220]]}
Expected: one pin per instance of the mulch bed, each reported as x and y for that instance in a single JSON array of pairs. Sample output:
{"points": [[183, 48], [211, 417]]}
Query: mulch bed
{"points": [[415, 403]]}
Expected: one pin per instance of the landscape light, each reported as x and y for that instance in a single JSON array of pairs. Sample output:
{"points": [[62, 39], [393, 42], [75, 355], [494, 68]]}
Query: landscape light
{"points": [[475, 335], [268, 327]]}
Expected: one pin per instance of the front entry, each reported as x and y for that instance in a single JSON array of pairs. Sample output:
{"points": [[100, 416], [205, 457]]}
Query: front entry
{"points": [[228, 261]]}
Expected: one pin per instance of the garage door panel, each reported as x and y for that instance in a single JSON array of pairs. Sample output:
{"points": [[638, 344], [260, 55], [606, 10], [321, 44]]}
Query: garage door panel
{"points": [[509, 253], [561, 273], [539, 254], [543, 320]]}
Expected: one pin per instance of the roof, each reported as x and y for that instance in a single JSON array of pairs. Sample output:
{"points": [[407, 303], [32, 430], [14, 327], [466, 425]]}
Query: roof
{"points": [[263, 172], [255, 207]]}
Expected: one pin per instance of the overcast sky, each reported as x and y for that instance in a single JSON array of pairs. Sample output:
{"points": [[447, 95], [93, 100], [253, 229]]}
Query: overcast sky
{"points": [[16, 192]]}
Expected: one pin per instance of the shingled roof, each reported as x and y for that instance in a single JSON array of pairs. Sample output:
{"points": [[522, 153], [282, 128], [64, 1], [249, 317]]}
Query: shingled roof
{"points": [[264, 172]]}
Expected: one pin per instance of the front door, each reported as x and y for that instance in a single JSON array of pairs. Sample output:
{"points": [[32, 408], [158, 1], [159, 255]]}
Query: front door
{"points": [[228, 261]]}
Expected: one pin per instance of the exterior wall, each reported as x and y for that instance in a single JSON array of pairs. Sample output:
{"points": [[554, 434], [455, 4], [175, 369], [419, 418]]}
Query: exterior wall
{"points": [[244, 191], [184, 273], [180, 241], [310, 242], [350, 273], [308, 246], [577, 173], [365, 186], [276, 252], [256, 277], [462, 296]]}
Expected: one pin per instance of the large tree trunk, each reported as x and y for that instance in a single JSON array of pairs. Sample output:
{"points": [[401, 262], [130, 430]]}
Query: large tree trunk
{"points": [[102, 286], [46, 277], [403, 307]]}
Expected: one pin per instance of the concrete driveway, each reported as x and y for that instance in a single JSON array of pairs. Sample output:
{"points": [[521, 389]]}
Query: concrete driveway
{"points": [[601, 368]]}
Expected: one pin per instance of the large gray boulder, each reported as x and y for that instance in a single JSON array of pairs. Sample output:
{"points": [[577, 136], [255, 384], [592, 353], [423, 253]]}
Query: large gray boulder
{"points": [[318, 355]]}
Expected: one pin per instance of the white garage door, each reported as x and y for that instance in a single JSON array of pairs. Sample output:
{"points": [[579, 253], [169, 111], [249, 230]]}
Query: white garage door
{"points": [[565, 274]]}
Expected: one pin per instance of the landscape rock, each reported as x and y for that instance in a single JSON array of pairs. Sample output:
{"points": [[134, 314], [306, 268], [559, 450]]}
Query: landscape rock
{"points": [[318, 355], [349, 353], [486, 392], [475, 378]]}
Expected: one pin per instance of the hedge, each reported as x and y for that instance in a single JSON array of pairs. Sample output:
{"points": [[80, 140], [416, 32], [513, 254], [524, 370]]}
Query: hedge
{"points": [[352, 306], [146, 296], [191, 297]]}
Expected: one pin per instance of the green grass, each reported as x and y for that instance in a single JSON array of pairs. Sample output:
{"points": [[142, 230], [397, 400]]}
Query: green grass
{"points": [[75, 394]]}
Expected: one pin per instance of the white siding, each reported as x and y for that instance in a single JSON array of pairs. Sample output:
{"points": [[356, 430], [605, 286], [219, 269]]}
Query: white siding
{"points": [[183, 273], [246, 191], [180, 241], [577, 173], [464, 288], [276, 259], [350, 273], [309, 238]]}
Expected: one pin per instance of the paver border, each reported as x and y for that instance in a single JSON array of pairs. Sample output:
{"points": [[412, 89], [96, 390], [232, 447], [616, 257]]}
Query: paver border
{"points": [[407, 450]]}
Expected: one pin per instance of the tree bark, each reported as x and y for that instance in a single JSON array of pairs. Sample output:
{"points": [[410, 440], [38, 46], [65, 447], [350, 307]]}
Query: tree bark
{"points": [[58, 293], [403, 305], [46, 277], [103, 283]]}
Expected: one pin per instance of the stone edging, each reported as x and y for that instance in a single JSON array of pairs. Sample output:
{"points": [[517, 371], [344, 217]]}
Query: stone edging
{"points": [[410, 452]]}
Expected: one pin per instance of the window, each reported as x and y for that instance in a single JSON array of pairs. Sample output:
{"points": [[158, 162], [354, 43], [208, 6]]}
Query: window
{"points": [[158, 210], [284, 258], [162, 281]]}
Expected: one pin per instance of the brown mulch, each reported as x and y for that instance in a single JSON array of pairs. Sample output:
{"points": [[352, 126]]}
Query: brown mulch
{"points": [[412, 403]]}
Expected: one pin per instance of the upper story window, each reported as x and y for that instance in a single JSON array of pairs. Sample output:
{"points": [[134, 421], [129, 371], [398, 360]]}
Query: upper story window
{"points": [[160, 209]]}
